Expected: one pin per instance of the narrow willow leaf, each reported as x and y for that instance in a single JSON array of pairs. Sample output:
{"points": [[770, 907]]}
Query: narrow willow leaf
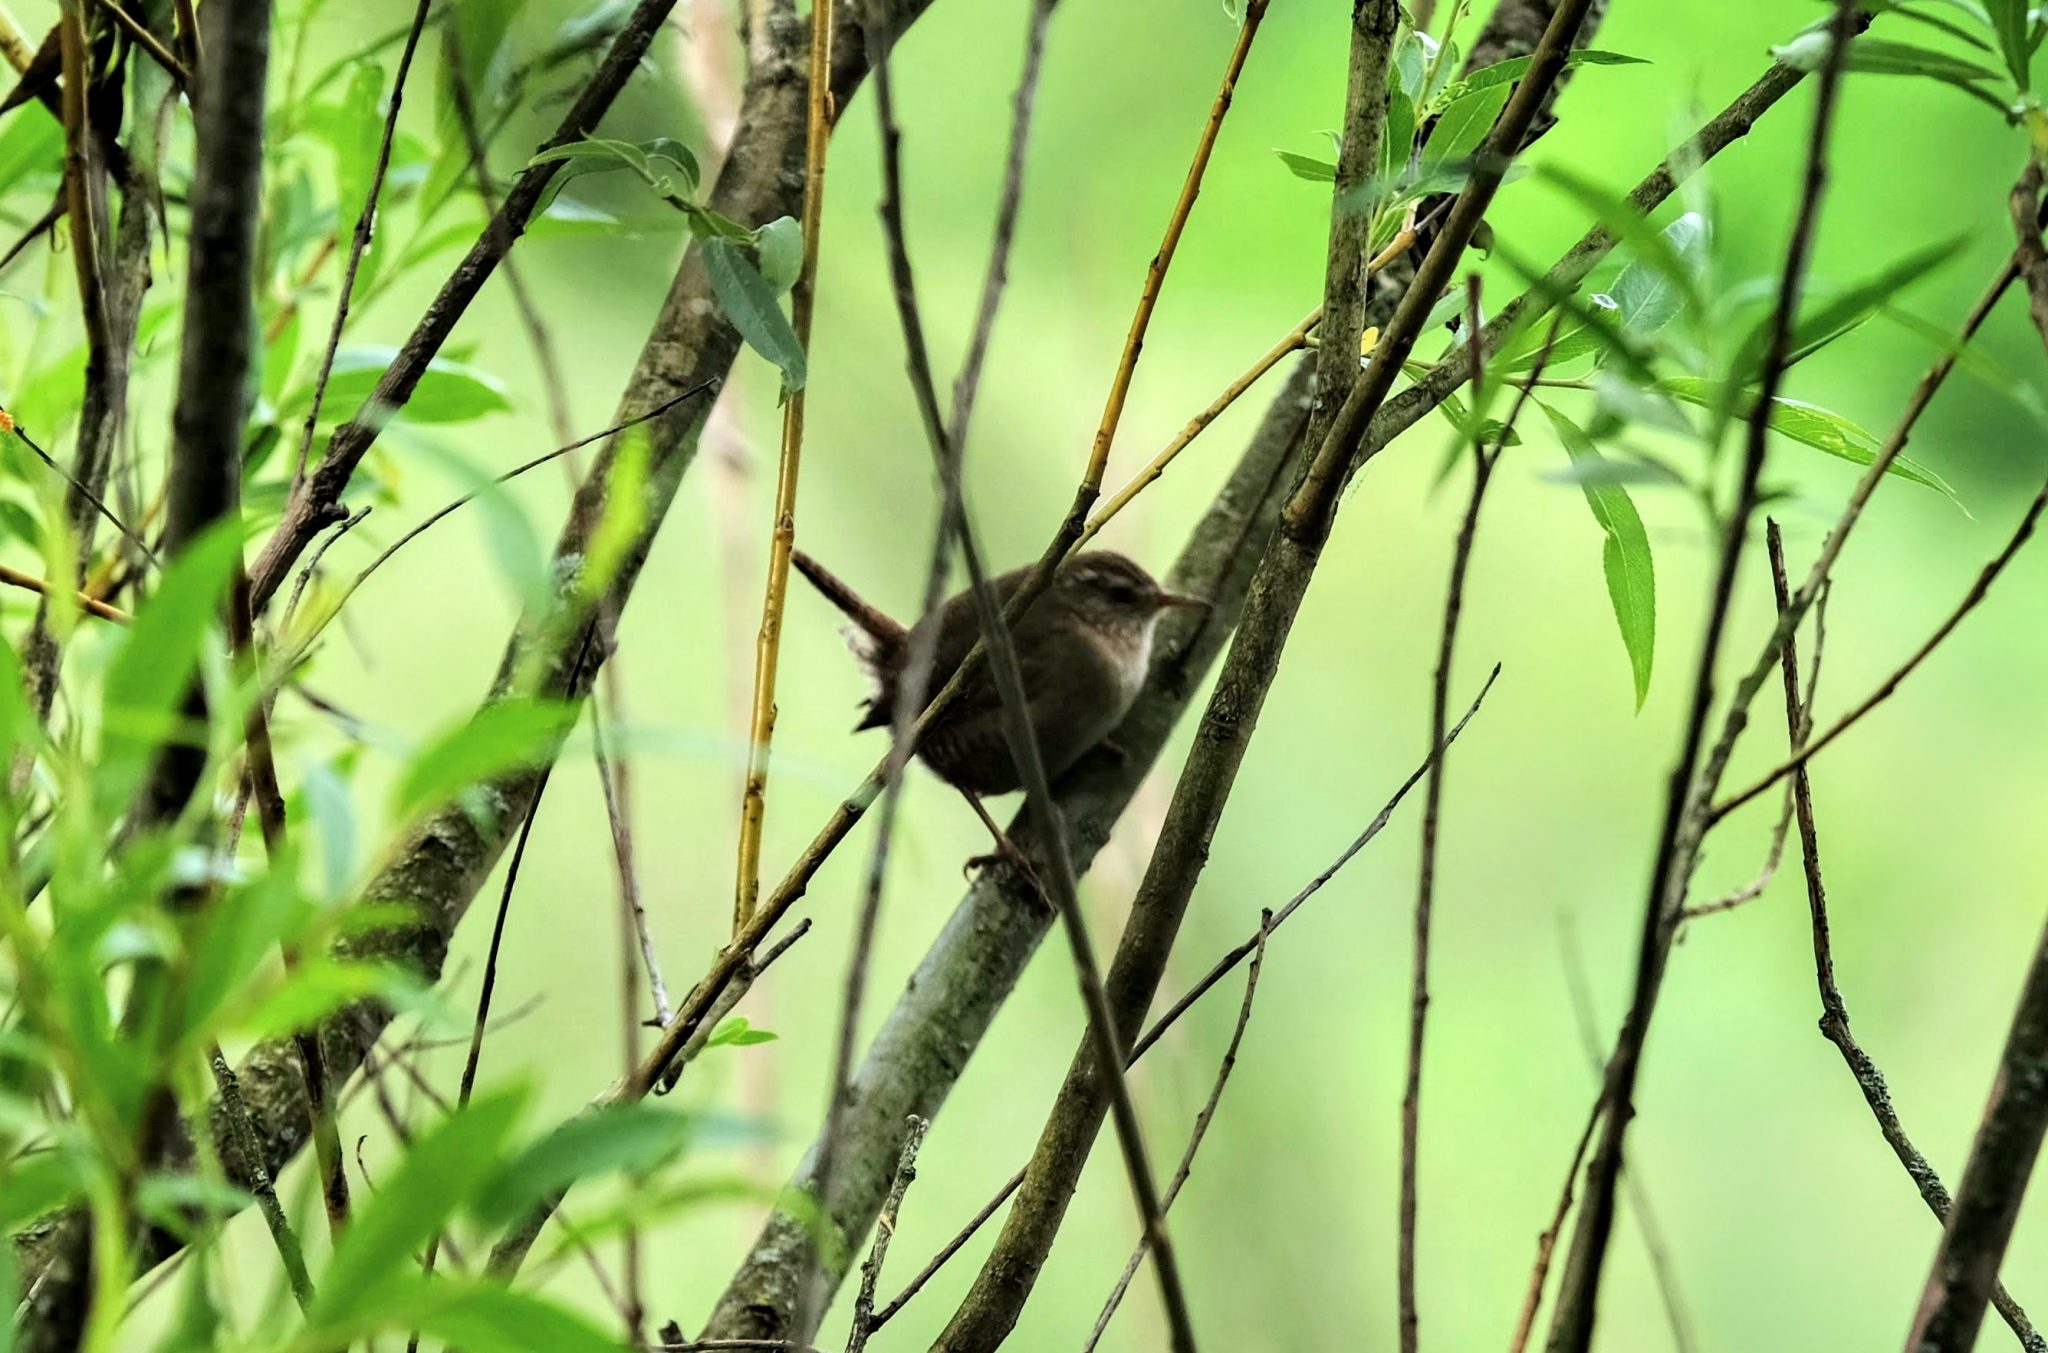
{"points": [[1843, 310], [1307, 166], [1397, 142], [437, 1175], [448, 391], [2009, 22], [749, 302], [1625, 555], [504, 736], [631, 1137], [141, 700], [1811, 425], [1663, 277], [1513, 69]]}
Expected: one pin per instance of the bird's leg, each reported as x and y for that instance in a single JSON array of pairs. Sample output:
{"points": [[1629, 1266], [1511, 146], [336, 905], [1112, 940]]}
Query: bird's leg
{"points": [[1006, 851]]}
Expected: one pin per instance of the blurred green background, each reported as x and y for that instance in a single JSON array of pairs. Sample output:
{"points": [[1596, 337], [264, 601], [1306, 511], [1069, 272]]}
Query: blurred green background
{"points": [[1788, 1224]]}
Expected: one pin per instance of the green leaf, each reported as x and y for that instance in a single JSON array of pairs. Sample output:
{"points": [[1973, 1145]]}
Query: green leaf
{"points": [[353, 132], [1874, 56], [736, 1032], [1514, 68], [1810, 424], [780, 244], [30, 144], [1397, 140], [2009, 22], [749, 302], [240, 930], [1843, 310], [448, 392], [38, 1184], [504, 736], [634, 1138], [1663, 278], [1624, 556], [141, 701], [488, 1318], [437, 1175], [1308, 166], [1411, 61], [318, 988], [1462, 127]]}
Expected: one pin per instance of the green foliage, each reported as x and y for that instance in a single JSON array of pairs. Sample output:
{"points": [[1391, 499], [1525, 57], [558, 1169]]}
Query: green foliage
{"points": [[1624, 553], [505, 736]]}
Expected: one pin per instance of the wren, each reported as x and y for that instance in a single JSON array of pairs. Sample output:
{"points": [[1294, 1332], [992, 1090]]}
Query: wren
{"points": [[1084, 647]]}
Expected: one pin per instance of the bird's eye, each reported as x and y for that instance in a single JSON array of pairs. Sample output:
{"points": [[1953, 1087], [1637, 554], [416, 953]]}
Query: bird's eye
{"points": [[1123, 594]]}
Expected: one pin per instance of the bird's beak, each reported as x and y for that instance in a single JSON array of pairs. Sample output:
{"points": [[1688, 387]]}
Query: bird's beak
{"points": [[1182, 599]]}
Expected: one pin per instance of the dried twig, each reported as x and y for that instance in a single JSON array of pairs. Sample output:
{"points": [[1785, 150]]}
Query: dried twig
{"points": [[885, 1228]]}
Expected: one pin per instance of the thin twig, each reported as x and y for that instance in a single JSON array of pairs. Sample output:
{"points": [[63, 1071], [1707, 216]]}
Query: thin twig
{"points": [[1834, 1017], [261, 1185], [1155, 271], [1206, 1116], [1221, 969], [14, 577], [1296, 339], [1571, 1328], [7, 424], [359, 243], [885, 1230], [490, 984], [433, 519], [148, 42], [1022, 740], [1654, 1248], [1483, 462], [782, 537], [617, 809], [1886, 688]]}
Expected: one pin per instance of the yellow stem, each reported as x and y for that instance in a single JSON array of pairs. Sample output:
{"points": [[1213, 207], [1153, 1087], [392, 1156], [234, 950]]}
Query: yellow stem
{"points": [[1294, 341], [1155, 273], [768, 646]]}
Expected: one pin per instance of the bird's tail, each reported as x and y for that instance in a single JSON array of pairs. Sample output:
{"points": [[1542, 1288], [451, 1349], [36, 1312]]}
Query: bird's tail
{"points": [[873, 636]]}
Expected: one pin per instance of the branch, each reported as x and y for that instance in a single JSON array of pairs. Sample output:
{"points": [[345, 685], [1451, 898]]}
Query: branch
{"points": [[1571, 1329], [885, 1230], [1987, 1202], [1222, 968], [948, 1004], [991, 1307]]}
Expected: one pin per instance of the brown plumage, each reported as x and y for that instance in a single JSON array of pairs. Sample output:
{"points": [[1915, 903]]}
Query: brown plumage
{"points": [[1083, 647]]}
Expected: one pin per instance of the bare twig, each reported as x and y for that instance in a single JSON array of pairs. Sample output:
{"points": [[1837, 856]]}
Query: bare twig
{"points": [[1024, 751], [1206, 1116], [359, 243], [1987, 1202], [261, 1185], [1217, 972], [617, 811], [1294, 341], [1155, 272], [885, 1231], [1571, 1328], [1483, 462]]}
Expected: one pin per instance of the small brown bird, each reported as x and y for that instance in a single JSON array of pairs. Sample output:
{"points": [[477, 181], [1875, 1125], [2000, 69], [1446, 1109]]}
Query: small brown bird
{"points": [[1084, 647]]}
